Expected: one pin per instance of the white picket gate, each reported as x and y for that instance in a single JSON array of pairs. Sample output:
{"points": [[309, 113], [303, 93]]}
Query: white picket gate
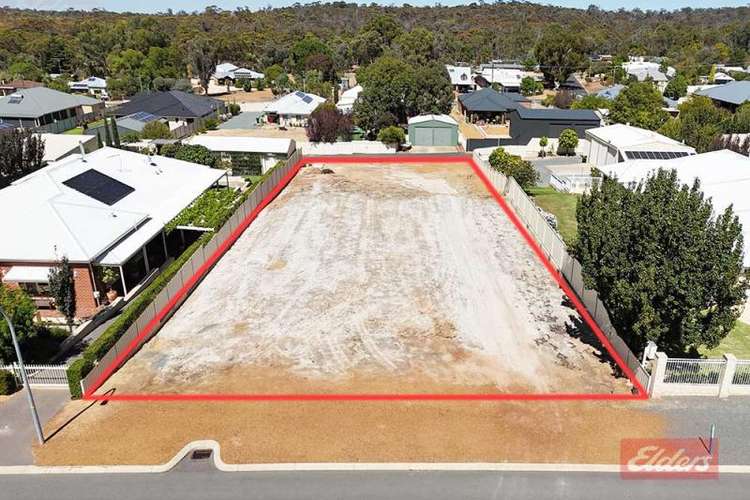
{"points": [[40, 375]]}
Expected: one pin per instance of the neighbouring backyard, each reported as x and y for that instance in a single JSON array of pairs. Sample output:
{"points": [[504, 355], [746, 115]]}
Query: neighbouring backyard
{"points": [[562, 206], [737, 343]]}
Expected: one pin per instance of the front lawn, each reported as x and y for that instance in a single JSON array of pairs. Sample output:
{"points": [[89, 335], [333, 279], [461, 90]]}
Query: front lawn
{"points": [[562, 206], [74, 131], [737, 343]]}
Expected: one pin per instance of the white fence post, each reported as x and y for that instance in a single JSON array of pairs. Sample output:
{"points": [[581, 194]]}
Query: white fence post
{"points": [[727, 375], [658, 369]]}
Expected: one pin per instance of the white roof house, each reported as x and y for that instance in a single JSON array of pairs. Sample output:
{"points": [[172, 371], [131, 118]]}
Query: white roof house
{"points": [[90, 83], [507, 78], [58, 146], [229, 70], [240, 144], [348, 98], [724, 177], [619, 142], [99, 208], [293, 108], [460, 75]]}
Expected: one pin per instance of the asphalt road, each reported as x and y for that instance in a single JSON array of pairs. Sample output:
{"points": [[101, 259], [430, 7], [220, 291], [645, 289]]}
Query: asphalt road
{"points": [[187, 485]]}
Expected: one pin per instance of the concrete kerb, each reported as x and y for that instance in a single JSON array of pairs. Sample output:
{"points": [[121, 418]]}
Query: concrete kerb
{"points": [[326, 466]]}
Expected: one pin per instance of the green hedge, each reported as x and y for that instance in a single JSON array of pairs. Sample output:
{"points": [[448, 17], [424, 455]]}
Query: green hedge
{"points": [[76, 371], [97, 349], [8, 383]]}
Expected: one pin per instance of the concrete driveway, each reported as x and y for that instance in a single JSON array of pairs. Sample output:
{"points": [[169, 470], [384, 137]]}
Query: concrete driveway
{"points": [[16, 428]]}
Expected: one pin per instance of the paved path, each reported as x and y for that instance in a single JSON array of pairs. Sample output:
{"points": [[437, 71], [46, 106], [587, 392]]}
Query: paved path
{"points": [[192, 484], [16, 430]]}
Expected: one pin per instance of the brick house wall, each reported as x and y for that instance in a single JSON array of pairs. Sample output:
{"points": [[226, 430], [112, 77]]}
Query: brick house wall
{"points": [[84, 288]]}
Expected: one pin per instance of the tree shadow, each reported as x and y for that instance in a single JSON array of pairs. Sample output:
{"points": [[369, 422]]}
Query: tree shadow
{"points": [[78, 414], [579, 329]]}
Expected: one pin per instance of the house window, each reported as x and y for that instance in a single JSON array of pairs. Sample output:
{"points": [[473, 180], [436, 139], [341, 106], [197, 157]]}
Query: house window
{"points": [[35, 289]]}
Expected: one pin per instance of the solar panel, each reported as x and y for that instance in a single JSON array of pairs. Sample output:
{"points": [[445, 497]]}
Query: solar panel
{"points": [[654, 155], [143, 116], [299, 94], [307, 99], [98, 186]]}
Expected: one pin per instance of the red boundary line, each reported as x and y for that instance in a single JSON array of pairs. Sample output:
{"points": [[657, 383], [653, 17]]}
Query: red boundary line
{"points": [[226, 244]]}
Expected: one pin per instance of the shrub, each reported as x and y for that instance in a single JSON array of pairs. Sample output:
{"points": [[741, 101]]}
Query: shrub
{"points": [[8, 383], [130, 137], [211, 124], [513, 166], [77, 370], [261, 84], [21, 310], [156, 130], [392, 136], [567, 143], [195, 154], [234, 109], [209, 210], [247, 85], [169, 150], [543, 141]]}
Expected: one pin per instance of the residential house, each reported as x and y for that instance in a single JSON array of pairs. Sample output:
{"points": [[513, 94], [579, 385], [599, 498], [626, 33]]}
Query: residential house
{"points": [[348, 98], [92, 85], [610, 92], [643, 70], [618, 143], [228, 71], [47, 110], [134, 124], [247, 155], [185, 112], [527, 124], [9, 87], [720, 78], [730, 95], [461, 77], [487, 105], [103, 209], [723, 177], [508, 79], [293, 109]]}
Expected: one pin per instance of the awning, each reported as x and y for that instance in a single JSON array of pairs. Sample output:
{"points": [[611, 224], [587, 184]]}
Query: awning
{"points": [[27, 274]]}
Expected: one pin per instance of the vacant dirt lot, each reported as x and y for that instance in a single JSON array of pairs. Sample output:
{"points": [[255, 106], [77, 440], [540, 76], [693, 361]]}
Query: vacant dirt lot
{"points": [[371, 279], [374, 279]]}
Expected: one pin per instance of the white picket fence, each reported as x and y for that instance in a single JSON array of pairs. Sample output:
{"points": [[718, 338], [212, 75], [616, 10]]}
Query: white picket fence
{"points": [[722, 377], [40, 375]]}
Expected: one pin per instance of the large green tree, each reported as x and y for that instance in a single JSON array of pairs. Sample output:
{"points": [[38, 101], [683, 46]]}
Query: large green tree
{"points": [[640, 104], [698, 123], [560, 51], [666, 268], [394, 90], [21, 152]]}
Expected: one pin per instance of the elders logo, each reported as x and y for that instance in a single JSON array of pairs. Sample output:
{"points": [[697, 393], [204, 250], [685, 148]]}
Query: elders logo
{"points": [[692, 458]]}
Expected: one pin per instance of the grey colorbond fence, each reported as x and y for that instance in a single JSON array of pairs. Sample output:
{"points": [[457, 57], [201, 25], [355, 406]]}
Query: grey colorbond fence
{"points": [[185, 275], [555, 249]]}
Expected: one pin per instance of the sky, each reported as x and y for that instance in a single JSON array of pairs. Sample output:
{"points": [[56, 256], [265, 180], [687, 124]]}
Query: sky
{"points": [[191, 5]]}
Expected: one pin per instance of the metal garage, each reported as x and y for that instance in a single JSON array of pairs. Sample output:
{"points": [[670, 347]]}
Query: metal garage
{"points": [[433, 130]]}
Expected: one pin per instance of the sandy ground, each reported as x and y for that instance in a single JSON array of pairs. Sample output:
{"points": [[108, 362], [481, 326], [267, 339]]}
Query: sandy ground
{"points": [[240, 96], [150, 433], [374, 279]]}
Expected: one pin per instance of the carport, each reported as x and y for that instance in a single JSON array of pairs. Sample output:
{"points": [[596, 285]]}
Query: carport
{"points": [[433, 130]]}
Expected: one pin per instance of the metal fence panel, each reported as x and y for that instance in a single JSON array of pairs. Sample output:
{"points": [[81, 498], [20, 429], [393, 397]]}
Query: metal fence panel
{"points": [[693, 371], [742, 373]]}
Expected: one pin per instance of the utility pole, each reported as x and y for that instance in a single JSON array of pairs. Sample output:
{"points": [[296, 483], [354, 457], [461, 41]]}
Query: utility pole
{"points": [[24, 379]]}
